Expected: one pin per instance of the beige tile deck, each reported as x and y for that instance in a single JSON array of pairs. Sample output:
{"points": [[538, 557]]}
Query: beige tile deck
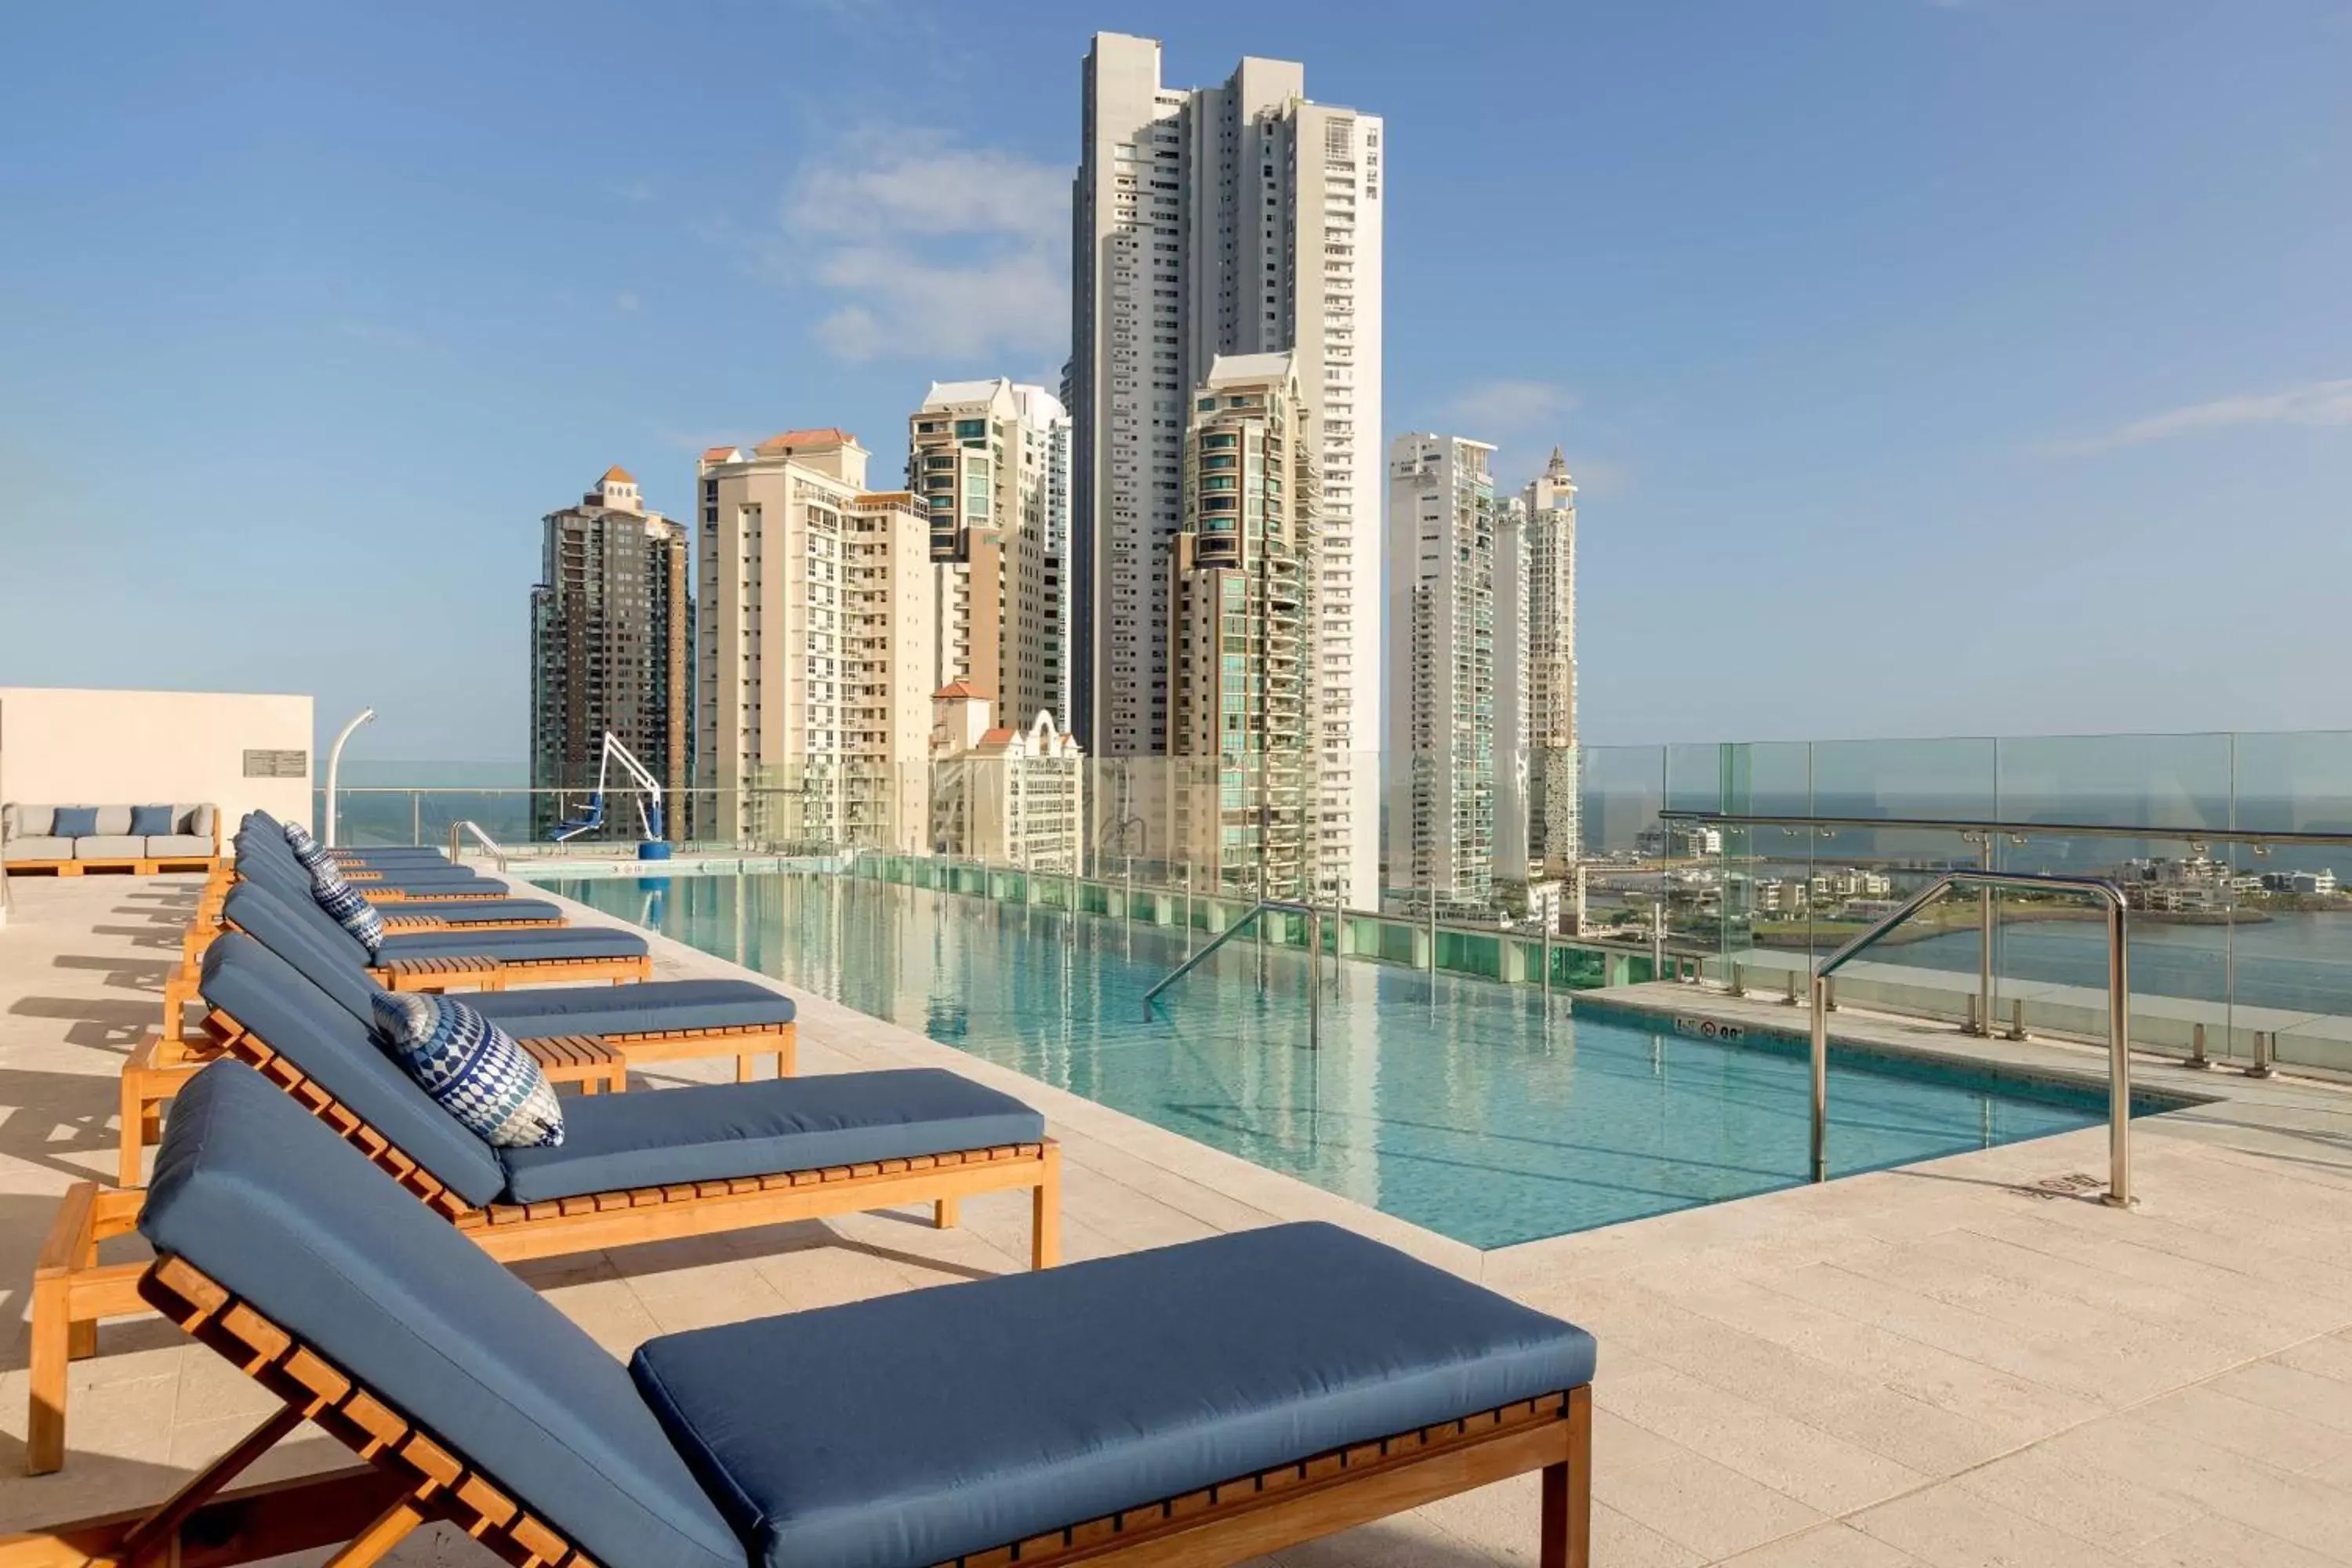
{"points": [[1928, 1366]]}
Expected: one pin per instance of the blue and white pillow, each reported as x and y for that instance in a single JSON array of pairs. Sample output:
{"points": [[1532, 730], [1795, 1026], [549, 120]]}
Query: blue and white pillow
{"points": [[471, 1068], [306, 848], [347, 907]]}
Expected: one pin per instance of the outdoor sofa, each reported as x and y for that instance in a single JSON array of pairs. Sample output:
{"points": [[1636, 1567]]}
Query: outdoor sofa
{"points": [[72, 840], [1199, 1405]]}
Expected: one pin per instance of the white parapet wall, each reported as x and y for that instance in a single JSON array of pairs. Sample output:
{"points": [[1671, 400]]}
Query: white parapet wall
{"points": [[235, 750]]}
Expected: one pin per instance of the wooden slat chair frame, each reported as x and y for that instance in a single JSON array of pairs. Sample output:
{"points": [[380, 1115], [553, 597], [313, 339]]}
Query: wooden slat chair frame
{"points": [[461, 972], [205, 930], [414, 1477], [161, 1066], [72, 1289]]}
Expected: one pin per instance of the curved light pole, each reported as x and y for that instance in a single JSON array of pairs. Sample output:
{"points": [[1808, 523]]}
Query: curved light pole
{"points": [[334, 764]]}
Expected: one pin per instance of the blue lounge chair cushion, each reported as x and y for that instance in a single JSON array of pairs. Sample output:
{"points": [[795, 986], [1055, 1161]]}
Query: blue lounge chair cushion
{"points": [[76, 822], [708, 1132], [1052, 1398], [347, 909], [270, 1203], [647, 1009], [515, 946], [310, 1029]]}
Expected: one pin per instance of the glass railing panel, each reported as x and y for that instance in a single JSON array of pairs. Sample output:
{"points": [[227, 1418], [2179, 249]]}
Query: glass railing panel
{"points": [[2160, 781], [1624, 787], [1950, 778]]}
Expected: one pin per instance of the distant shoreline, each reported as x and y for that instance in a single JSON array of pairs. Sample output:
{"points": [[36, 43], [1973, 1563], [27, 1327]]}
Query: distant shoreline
{"points": [[1803, 937]]}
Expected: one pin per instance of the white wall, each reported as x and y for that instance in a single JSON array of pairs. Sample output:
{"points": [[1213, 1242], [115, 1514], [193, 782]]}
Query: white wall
{"points": [[65, 747]]}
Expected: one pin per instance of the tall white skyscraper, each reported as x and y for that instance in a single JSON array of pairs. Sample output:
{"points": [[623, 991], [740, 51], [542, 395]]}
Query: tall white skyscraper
{"points": [[1555, 831], [1443, 720], [1240, 219]]}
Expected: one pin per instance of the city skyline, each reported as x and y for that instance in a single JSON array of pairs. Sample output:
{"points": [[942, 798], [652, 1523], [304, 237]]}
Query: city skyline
{"points": [[1830, 329]]}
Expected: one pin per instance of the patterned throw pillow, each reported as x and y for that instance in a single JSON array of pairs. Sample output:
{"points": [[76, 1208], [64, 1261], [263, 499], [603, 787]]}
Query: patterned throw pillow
{"points": [[472, 1068], [306, 848], [346, 908]]}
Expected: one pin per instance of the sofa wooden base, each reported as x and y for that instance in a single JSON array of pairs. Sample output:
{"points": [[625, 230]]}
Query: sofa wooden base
{"points": [[129, 867], [418, 1478]]}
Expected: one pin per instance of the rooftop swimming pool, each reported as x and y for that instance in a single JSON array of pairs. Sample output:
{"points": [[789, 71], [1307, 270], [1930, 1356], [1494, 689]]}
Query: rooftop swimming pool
{"points": [[1481, 1111]]}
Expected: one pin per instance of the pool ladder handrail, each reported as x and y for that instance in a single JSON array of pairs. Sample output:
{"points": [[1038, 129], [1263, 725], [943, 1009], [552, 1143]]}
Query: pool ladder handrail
{"points": [[2118, 1192], [466, 825], [1314, 961]]}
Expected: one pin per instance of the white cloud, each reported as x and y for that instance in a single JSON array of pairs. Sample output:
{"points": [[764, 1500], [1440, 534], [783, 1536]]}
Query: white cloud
{"points": [[635, 190], [2314, 403], [936, 250], [625, 302], [1490, 409], [377, 334]]}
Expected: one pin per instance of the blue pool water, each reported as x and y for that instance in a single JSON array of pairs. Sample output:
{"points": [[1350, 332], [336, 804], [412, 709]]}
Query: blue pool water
{"points": [[1473, 1111]]}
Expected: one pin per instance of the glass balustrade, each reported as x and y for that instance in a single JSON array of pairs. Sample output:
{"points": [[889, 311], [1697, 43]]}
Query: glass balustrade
{"points": [[2240, 930]]}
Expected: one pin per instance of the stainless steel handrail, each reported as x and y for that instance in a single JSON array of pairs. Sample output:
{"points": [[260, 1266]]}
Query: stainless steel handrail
{"points": [[2014, 828], [464, 826], [1314, 961], [2118, 1005]]}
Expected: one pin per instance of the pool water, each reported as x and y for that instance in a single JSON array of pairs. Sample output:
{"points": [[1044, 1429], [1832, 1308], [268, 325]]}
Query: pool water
{"points": [[1472, 1108]]}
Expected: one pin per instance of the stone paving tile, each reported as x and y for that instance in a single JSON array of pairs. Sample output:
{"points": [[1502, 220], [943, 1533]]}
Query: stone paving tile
{"points": [[2084, 1503], [2207, 1414], [1834, 1545], [2311, 1513], [1951, 1526], [1684, 1496], [2213, 1542], [1821, 1471]]}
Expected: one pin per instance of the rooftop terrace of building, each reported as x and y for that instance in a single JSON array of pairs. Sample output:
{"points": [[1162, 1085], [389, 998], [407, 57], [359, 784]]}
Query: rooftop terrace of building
{"points": [[1953, 1364]]}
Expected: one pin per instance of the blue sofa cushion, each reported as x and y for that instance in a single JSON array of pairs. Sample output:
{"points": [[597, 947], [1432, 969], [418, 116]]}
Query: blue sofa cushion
{"points": [[1052, 1398], [150, 821], [650, 1008], [708, 1132], [347, 909], [270, 1203], [306, 1026], [472, 1068], [76, 822], [516, 946], [307, 850]]}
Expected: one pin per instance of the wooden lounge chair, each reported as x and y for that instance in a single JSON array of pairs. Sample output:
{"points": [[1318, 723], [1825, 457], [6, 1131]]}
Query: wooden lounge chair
{"points": [[591, 1036], [1192, 1407], [660, 1165]]}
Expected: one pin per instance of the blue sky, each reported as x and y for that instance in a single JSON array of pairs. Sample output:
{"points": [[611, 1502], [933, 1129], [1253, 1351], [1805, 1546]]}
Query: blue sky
{"points": [[1966, 367]]}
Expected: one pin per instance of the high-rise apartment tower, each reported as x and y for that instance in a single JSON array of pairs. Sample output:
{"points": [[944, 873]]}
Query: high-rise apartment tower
{"points": [[1243, 635], [819, 638], [612, 633], [1555, 817], [1234, 220], [1446, 726], [991, 461]]}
